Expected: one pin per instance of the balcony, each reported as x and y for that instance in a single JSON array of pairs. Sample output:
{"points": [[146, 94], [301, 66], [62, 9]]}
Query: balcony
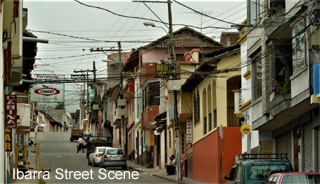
{"points": [[117, 117], [148, 116], [129, 89], [148, 72]]}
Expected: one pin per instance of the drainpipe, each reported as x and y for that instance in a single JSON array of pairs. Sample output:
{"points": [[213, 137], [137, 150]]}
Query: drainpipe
{"points": [[2, 155]]}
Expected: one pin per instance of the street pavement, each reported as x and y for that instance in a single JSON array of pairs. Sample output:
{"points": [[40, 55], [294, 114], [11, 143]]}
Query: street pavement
{"points": [[57, 152]]}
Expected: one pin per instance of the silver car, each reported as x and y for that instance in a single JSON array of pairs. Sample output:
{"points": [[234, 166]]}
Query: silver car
{"points": [[95, 157], [114, 157]]}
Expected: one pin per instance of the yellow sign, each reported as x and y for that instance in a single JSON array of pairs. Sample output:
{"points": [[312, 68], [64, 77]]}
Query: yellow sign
{"points": [[8, 139], [246, 129], [151, 138]]}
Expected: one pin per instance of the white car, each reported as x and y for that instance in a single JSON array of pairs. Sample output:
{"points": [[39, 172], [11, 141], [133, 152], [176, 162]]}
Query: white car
{"points": [[96, 156], [113, 157]]}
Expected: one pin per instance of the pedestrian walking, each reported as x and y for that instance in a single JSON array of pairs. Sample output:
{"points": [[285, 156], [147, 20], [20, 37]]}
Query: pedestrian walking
{"points": [[80, 145]]}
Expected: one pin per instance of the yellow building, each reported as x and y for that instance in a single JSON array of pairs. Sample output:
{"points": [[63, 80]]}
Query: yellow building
{"points": [[210, 98]]}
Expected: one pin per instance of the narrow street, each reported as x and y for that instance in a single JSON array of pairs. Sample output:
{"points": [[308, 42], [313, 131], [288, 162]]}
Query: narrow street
{"points": [[58, 152]]}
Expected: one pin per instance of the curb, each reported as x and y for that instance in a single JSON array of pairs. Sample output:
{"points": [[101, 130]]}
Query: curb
{"points": [[168, 179], [136, 169]]}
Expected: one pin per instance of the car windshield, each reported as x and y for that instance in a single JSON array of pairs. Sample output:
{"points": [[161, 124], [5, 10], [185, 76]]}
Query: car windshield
{"points": [[262, 172], [301, 179], [100, 150], [114, 152]]}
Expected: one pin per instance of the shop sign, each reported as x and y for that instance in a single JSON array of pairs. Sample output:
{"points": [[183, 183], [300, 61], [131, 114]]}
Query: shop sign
{"points": [[246, 129], [189, 132], [163, 70], [151, 138], [8, 140], [11, 111]]}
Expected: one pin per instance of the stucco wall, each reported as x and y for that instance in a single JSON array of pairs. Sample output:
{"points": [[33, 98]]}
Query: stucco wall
{"points": [[218, 95], [206, 155]]}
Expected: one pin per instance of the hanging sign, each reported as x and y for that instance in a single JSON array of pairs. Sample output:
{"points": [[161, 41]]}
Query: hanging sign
{"points": [[246, 129], [151, 138], [8, 139], [189, 132], [46, 91], [11, 111]]}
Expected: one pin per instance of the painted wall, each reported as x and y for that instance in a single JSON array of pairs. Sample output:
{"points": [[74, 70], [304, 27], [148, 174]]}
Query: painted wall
{"points": [[206, 155], [24, 111], [218, 96]]}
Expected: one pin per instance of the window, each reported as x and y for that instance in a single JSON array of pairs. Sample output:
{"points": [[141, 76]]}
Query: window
{"points": [[151, 94], [215, 122], [299, 45], [180, 57], [254, 13], [276, 4], [114, 152], [196, 107], [169, 139], [204, 111], [301, 178], [204, 125], [281, 69], [262, 172], [257, 78], [210, 122]]}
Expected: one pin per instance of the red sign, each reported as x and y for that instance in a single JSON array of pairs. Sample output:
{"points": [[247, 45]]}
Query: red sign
{"points": [[189, 132], [11, 111], [47, 91]]}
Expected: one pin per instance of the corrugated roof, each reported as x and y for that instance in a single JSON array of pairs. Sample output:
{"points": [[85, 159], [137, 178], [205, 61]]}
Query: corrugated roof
{"points": [[196, 39]]}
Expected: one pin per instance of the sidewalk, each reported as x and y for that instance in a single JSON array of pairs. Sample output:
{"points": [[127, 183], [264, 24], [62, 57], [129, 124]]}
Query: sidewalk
{"points": [[161, 173]]}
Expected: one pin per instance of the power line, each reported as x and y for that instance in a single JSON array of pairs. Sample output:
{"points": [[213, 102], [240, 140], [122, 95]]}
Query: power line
{"points": [[196, 11], [147, 19]]}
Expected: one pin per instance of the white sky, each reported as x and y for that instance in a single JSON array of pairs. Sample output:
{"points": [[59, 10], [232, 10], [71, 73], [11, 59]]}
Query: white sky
{"points": [[71, 18]]}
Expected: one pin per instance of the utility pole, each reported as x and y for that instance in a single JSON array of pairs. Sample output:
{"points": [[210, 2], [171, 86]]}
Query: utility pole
{"points": [[121, 97], [87, 80], [122, 127], [174, 77], [175, 95]]}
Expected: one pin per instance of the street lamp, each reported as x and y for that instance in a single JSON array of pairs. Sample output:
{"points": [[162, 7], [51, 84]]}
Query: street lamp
{"points": [[175, 95], [153, 25]]}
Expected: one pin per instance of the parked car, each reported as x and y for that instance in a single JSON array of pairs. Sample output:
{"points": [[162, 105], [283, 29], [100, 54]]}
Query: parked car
{"points": [[294, 177], [113, 157], [95, 157], [256, 168], [96, 142]]}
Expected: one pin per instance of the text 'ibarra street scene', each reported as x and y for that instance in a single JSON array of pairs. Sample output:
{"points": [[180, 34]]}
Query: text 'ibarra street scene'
{"points": [[160, 91]]}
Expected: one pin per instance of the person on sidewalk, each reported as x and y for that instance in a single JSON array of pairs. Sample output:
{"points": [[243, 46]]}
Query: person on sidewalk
{"points": [[80, 145], [171, 167]]}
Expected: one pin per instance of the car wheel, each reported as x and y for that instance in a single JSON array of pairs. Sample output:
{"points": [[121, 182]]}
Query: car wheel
{"points": [[71, 139], [124, 167], [89, 162], [94, 163]]}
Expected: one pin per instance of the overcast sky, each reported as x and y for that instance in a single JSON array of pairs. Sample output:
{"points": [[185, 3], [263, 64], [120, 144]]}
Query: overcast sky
{"points": [[63, 55]]}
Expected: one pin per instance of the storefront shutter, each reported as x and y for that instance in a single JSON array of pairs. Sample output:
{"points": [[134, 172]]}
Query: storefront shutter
{"points": [[284, 145], [307, 144]]}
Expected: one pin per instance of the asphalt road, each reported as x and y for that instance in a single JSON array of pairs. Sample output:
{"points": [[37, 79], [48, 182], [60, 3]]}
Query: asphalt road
{"points": [[59, 154]]}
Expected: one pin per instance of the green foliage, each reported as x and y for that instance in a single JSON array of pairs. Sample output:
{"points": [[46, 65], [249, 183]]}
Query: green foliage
{"points": [[281, 88]]}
